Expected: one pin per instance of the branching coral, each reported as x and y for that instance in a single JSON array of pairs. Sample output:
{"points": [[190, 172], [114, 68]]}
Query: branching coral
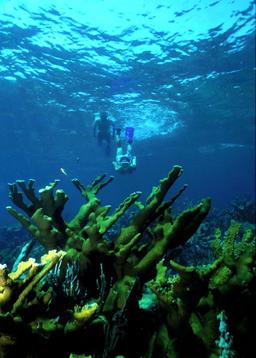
{"points": [[194, 298], [15, 287], [83, 236], [111, 273]]}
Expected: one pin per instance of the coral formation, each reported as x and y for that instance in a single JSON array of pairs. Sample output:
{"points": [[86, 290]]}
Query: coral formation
{"points": [[195, 298], [90, 286], [242, 209]]}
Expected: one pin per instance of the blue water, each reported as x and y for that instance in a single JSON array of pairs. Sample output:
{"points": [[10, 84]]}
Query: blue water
{"points": [[180, 72]]}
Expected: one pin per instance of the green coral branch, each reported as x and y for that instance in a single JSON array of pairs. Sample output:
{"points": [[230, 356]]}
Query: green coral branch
{"points": [[158, 193], [106, 223], [148, 213], [81, 218], [29, 191], [146, 216], [90, 191], [185, 225], [17, 197], [163, 207], [52, 204], [23, 220], [44, 230], [46, 233]]}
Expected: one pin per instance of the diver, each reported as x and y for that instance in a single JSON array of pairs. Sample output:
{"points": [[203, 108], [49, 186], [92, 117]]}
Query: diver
{"points": [[125, 162], [103, 130]]}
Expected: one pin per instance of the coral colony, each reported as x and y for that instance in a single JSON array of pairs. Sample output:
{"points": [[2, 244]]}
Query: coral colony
{"points": [[98, 292]]}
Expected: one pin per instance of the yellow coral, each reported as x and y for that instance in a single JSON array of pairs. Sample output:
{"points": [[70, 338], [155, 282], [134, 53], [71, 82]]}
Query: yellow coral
{"points": [[81, 316], [51, 255], [23, 267], [49, 261], [5, 290], [5, 295], [86, 312], [6, 340]]}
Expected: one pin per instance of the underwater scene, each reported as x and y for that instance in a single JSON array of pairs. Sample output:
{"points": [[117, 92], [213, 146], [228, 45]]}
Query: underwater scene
{"points": [[127, 179]]}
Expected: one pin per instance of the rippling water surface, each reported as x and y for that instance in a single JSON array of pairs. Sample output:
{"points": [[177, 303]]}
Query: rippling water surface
{"points": [[180, 72]]}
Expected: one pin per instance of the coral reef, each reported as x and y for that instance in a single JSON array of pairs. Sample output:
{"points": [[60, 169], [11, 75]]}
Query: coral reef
{"points": [[242, 209], [93, 282], [195, 298]]}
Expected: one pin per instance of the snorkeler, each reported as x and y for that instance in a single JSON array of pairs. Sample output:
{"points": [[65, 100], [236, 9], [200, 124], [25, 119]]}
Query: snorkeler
{"points": [[103, 130], [125, 162]]}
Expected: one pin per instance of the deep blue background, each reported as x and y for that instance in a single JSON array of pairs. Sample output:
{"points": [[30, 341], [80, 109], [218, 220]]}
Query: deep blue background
{"points": [[191, 103]]}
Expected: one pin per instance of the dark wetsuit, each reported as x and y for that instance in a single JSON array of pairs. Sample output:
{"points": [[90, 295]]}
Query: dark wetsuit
{"points": [[103, 129]]}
